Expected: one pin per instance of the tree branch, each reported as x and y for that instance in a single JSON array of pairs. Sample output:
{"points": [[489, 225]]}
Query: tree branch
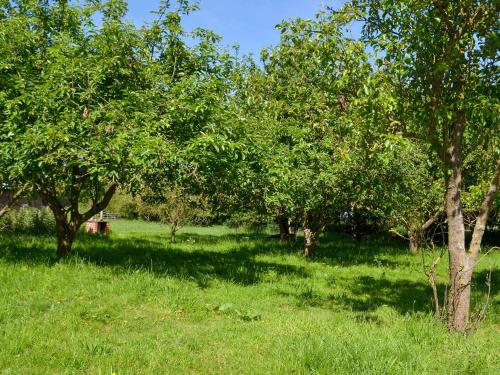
{"points": [[76, 189], [432, 220], [99, 206], [394, 231], [13, 200], [480, 227], [55, 205]]}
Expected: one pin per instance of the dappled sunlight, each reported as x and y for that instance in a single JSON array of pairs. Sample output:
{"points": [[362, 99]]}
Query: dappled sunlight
{"points": [[118, 295], [357, 275]]}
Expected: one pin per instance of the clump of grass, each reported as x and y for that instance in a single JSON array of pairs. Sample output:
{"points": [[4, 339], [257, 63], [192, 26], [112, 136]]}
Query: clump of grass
{"points": [[230, 310], [28, 220]]}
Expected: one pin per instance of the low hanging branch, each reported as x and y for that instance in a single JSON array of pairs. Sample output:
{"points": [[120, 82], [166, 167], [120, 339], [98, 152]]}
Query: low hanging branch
{"points": [[99, 206], [424, 227], [432, 220], [15, 197], [480, 227]]}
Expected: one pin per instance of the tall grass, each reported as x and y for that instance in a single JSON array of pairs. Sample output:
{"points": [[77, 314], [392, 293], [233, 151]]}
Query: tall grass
{"points": [[28, 220], [223, 301]]}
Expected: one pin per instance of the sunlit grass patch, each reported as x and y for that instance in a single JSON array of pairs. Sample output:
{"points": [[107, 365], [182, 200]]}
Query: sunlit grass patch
{"points": [[223, 301]]}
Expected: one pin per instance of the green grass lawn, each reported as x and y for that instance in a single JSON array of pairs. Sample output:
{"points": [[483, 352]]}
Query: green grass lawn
{"points": [[223, 301]]}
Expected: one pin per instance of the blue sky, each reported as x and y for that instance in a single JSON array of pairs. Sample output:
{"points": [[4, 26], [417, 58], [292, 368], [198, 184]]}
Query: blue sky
{"points": [[249, 23]]}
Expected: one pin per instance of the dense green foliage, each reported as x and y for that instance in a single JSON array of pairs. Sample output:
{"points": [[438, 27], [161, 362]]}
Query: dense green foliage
{"points": [[70, 101], [228, 301], [301, 109], [73, 83]]}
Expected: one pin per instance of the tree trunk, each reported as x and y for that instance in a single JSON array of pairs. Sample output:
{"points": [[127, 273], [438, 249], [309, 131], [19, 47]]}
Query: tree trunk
{"points": [[461, 265], [173, 233], [415, 241], [284, 229], [414, 245], [69, 220], [312, 229], [309, 242], [65, 237], [458, 302]]}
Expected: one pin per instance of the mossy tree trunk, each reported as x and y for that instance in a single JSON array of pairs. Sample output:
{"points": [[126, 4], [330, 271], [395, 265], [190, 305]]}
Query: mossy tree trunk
{"points": [[312, 230]]}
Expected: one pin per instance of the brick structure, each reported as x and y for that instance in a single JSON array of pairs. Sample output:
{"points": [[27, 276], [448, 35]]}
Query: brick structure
{"points": [[97, 227]]}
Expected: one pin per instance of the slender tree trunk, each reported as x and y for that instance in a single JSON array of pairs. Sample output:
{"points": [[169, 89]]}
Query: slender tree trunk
{"points": [[284, 229], [458, 302], [309, 242], [462, 263], [311, 234], [415, 240], [173, 233]]}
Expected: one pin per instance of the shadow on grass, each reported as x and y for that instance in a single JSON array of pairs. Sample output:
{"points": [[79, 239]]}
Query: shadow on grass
{"points": [[409, 296], [405, 296], [203, 258], [237, 264], [343, 250], [365, 294], [332, 249]]}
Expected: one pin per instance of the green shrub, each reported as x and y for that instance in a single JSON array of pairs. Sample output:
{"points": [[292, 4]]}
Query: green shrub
{"points": [[28, 220], [124, 205], [246, 219]]}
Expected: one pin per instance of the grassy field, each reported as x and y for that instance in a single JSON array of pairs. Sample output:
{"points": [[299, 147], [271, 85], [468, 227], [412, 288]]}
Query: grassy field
{"points": [[223, 301]]}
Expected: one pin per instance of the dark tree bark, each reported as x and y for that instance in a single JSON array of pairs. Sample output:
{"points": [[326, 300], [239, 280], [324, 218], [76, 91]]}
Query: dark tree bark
{"points": [[69, 219], [284, 229], [65, 237]]}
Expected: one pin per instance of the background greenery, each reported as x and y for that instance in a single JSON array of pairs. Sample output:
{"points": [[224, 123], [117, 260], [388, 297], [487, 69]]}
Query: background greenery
{"points": [[28, 220]]}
